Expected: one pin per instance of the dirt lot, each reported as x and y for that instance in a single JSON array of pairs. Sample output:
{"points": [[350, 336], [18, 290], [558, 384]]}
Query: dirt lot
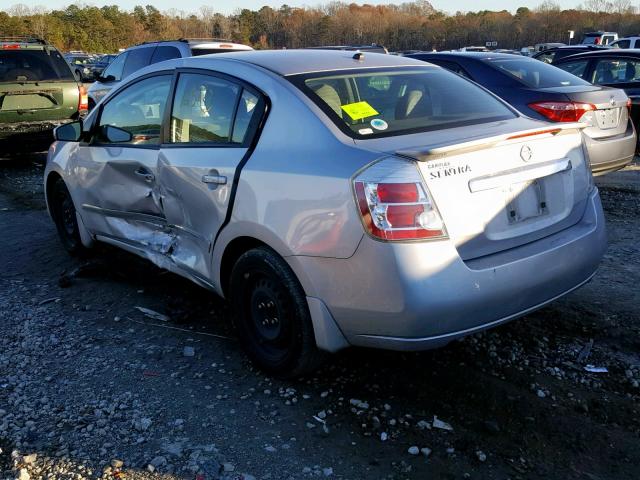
{"points": [[94, 388]]}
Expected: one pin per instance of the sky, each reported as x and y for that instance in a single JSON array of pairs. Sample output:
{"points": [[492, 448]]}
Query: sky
{"points": [[230, 6]]}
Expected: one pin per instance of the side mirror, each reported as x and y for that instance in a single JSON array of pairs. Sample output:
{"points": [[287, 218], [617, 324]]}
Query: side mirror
{"points": [[69, 132], [107, 79], [116, 135]]}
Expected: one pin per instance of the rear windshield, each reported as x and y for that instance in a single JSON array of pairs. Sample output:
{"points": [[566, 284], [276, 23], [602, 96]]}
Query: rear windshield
{"points": [[368, 103], [591, 40], [25, 65], [536, 74]]}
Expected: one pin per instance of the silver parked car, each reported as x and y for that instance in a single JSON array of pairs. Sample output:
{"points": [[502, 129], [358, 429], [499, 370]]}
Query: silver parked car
{"points": [[335, 198]]}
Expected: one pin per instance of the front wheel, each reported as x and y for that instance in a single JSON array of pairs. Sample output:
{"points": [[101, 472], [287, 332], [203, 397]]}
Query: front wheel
{"points": [[272, 316], [63, 213]]}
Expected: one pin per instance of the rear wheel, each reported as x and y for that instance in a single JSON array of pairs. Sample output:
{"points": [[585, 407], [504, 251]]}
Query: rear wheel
{"points": [[272, 316], [63, 212]]}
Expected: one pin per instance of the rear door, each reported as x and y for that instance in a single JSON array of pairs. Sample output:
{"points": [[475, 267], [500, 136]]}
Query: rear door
{"points": [[212, 124], [118, 177]]}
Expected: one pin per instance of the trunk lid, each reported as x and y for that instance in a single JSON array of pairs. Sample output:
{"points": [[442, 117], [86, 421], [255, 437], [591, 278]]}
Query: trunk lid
{"points": [[611, 115], [502, 191]]}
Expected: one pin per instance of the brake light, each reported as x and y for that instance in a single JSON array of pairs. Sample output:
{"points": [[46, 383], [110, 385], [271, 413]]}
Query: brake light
{"points": [[394, 203], [83, 101], [10, 46], [562, 111]]}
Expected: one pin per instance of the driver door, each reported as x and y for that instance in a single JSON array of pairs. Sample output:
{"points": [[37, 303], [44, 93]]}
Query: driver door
{"points": [[117, 170]]}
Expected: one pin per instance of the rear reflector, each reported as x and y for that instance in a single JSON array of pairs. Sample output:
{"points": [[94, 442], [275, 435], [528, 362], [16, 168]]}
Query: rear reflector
{"points": [[562, 111], [83, 101]]}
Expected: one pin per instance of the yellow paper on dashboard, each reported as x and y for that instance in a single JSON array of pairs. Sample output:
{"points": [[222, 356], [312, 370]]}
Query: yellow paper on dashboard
{"points": [[359, 110]]}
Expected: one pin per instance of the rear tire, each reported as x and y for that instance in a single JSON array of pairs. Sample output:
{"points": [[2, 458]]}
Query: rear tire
{"points": [[272, 316], [63, 212]]}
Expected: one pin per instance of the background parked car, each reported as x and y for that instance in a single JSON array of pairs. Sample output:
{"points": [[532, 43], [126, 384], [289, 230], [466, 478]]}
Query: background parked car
{"points": [[38, 92], [619, 68], [599, 38], [139, 56], [541, 47], [81, 65], [542, 91], [553, 54], [627, 42]]}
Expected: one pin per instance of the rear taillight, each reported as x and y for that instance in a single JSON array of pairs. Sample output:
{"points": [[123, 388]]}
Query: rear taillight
{"points": [[629, 104], [562, 111], [394, 203], [83, 102]]}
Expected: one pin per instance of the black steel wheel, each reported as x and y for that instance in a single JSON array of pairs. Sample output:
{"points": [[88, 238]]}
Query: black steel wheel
{"points": [[63, 212], [272, 316]]}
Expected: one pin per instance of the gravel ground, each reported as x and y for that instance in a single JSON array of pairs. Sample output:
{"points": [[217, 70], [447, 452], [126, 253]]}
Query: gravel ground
{"points": [[91, 387]]}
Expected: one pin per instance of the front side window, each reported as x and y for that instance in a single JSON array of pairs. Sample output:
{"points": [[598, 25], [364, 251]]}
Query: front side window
{"points": [[576, 67], [622, 44], [382, 102], [137, 110], [115, 67], [612, 70], [534, 74], [203, 109]]}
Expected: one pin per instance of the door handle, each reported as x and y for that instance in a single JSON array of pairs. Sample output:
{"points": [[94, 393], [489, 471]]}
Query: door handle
{"points": [[146, 174], [214, 179]]}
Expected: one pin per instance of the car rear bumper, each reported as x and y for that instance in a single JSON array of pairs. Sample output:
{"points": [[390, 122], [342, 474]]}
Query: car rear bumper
{"points": [[415, 296], [611, 154], [28, 136]]}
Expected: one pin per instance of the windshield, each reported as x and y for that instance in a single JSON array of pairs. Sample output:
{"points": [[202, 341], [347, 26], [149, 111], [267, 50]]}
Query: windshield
{"points": [[22, 65], [368, 103], [536, 74]]}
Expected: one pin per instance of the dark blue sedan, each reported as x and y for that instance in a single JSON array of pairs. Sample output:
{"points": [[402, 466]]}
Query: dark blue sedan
{"points": [[542, 91]]}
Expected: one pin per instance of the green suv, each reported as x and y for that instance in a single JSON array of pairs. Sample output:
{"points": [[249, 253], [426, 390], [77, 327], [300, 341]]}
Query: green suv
{"points": [[38, 92]]}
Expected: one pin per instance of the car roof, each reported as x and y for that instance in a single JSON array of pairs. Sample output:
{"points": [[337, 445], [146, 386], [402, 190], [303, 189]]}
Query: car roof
{"points": [[292, 62], [609, 52], [471, 55]]}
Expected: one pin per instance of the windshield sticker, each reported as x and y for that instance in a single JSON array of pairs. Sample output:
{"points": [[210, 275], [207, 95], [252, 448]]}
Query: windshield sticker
{"points": [[359, 110], [379, 124], [365, 131]]}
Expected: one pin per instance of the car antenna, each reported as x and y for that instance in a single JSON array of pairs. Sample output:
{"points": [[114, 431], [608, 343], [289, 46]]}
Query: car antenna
{"points": [[359, 56]]}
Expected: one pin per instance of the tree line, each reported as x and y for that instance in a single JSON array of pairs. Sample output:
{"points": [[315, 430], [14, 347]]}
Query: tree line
{"points": [[411, 25]]}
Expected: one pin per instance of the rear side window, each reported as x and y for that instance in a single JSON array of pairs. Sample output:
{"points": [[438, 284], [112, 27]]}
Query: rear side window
{"points": [[451, 66], [577, 67], [138, 109], [164, 52], [209, 109], [367, 103], [534, 74], [612, 70], [138, 58], [33, 66], [203, 109], [622, 44], [546, 57]]}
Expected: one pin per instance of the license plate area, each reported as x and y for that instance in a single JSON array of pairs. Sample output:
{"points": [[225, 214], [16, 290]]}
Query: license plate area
{"points": [[608, 118], [525, 200]]}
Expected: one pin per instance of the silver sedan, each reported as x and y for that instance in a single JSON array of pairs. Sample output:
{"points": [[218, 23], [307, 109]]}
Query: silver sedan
{"points": [[334, 198]]}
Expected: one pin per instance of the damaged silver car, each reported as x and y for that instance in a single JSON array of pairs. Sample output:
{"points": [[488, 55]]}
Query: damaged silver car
{"points": [[334, 198]]}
